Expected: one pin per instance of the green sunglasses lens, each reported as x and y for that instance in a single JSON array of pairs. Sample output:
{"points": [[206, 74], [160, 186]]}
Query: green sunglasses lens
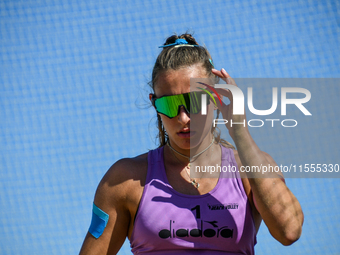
{"points": [[169, 105]]}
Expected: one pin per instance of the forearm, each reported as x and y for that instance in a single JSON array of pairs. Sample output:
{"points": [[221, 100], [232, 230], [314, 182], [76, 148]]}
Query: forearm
{"points": [[278, 207]]}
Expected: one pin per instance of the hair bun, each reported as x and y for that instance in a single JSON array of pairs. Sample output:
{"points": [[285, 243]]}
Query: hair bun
{"points": [[188, 37]]}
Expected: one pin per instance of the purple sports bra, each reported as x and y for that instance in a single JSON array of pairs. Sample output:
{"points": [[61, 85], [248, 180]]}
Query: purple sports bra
{"points": [[168, 222]]}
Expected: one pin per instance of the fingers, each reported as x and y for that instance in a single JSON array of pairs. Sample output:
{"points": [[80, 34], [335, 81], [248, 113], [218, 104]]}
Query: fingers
{"points": [[224, 75], [216, 72], [224, 72]]}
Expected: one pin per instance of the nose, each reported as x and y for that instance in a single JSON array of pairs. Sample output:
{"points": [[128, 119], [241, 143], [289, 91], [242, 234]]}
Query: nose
{"points": [[183, 116]]}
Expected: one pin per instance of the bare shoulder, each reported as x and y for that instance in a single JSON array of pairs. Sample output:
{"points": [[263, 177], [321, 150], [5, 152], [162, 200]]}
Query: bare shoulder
{"points": [[125, 173], [126, 169], [269, 158], [243, 175], [123, 181]]}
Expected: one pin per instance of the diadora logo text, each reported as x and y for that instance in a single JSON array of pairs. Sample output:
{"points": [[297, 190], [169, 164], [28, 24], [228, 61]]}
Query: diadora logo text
{"points": [[206, 229]]}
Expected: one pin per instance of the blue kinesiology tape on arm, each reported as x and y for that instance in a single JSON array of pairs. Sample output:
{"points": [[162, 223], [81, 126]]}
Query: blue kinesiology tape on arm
{"points": [[99, 221]]}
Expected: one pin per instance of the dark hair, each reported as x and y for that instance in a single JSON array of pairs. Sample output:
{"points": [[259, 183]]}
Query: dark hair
{"points": [[174, 58]]}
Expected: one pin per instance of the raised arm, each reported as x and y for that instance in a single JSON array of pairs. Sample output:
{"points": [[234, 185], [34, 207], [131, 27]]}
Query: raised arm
{"points": [[278, 207]]}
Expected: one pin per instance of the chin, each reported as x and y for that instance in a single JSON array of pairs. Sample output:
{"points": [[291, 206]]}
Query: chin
{"points": [[195, 142]]}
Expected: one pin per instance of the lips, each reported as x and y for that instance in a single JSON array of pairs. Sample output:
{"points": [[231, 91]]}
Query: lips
{"points": [[184, 130], [185, 133]]}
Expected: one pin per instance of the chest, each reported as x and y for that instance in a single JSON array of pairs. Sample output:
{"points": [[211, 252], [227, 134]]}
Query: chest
{"points": [[217, 220]]}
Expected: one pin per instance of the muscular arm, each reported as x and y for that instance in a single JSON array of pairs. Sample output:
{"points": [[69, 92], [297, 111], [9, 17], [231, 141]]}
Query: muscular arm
{"points": [[117, 194], [278, 207]]}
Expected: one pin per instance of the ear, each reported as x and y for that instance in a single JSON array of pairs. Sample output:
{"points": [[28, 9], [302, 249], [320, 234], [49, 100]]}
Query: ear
{"points": [[150, 97]]}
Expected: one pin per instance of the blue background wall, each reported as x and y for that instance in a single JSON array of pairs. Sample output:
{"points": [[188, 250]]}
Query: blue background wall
{"points": [[74, 99]]}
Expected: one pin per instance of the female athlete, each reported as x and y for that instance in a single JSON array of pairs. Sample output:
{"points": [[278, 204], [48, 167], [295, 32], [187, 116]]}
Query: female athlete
{"points": [[154, 201]]}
